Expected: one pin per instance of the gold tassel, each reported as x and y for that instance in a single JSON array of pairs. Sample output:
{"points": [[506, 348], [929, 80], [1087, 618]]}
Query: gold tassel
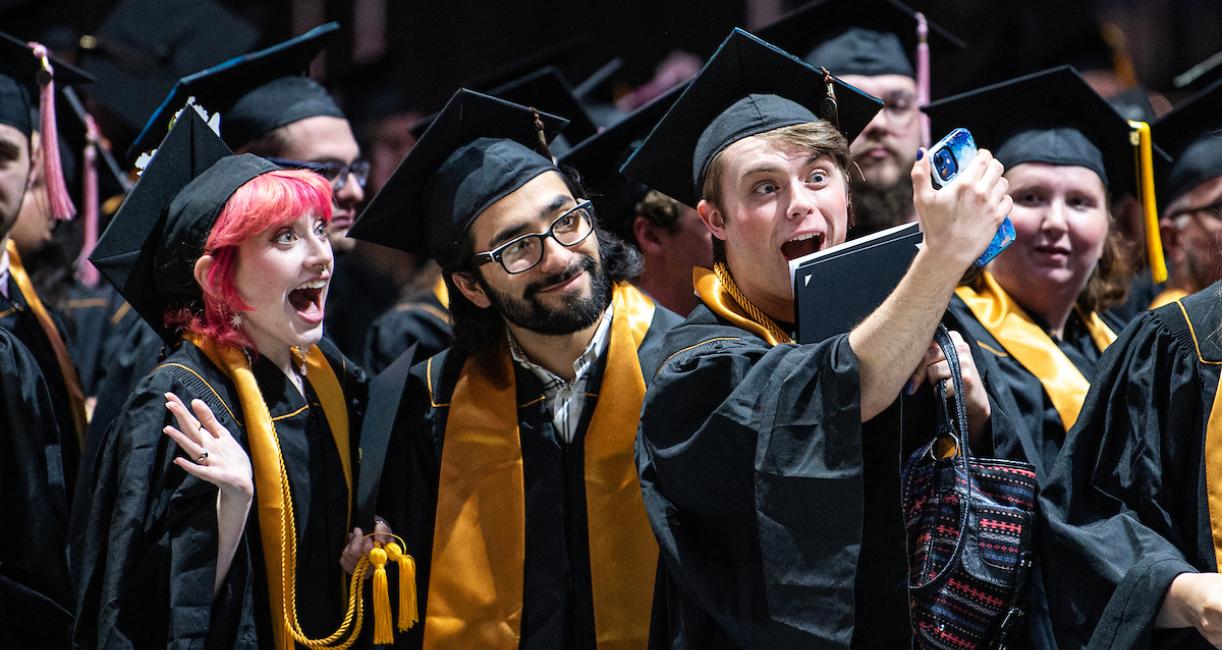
{"points": [[383, 633], [1144, 157], [409, 612]]}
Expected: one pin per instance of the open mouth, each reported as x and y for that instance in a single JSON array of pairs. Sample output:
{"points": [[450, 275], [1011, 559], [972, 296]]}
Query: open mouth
{"points": [[307, 300], [802, 245]]}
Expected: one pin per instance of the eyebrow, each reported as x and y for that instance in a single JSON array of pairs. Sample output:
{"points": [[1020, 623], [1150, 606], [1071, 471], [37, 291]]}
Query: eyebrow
{"points": [[558, 201], [770, 168]]}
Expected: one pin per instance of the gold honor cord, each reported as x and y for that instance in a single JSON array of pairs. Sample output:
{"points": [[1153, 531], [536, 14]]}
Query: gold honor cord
{"points": [[479, 540], [721, 294], [1031, 346], [72, 382], [278, 528], [1143, 152]]}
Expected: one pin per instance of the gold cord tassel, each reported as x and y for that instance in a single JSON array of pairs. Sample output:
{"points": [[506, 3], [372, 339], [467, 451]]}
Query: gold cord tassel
{"points": [[383, 634], [409, 610], [829, 108], [541, 132]]}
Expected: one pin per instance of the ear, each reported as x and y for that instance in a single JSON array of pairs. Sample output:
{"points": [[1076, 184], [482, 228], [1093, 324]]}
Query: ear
{"points": [[471, 290], [646, 236], [711, 215], [34, 178], [202, 266]]}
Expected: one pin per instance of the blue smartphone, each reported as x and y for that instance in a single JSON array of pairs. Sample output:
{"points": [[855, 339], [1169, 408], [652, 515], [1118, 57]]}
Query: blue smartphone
{"points": [[947, 157]]}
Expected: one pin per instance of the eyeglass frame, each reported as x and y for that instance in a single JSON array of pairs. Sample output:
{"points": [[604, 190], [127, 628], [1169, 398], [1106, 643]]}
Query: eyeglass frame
{"points": [[1213, 211], [321, 168], [895, 112], [495, 254]]}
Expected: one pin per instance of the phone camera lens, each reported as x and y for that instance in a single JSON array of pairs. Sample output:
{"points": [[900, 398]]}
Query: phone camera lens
{"points": [[944, 162]]}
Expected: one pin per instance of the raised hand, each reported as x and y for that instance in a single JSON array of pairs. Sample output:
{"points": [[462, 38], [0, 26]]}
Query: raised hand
{"points": [[212, 453], [934, 367], [960, 219]]}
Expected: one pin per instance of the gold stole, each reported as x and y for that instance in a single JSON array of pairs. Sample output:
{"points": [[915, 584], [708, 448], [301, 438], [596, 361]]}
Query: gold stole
{"points": [[277, 527], [1167, 297], [716, 288], [442, 293], [1031, 346], [72, 382], [479, 538]]}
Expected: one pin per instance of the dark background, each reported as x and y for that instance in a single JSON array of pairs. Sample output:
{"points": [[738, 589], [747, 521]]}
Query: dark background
{"points": [[424, 49]]}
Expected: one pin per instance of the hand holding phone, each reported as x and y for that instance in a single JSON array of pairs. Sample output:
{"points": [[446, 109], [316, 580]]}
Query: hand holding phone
{"points": [[950, 155]]}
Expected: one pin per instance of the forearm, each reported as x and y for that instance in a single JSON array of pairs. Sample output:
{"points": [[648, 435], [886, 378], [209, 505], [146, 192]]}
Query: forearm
{"points": [[231, 513], [891, 342]]}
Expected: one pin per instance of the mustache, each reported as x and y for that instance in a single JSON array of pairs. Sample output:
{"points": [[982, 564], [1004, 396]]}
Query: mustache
{"points": [[585, 263]]}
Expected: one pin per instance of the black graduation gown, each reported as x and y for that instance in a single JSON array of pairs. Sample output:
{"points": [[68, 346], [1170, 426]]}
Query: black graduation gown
{"points": [[421, 319], [35, 591], [1125, 505], [558, 608], [358, 294], [17, 317], [91, 314], [145, 552], [1040, 432], [759, 482]]}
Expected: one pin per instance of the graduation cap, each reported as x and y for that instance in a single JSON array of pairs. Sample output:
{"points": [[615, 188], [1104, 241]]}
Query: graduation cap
{"points": [[27, 102], [1191, 135], [145, 45], [1054, 117], [598, 159], [748, 87], [478, 150], [545, 90], [149, 250], [255, 93], [855, 37], [1201, 75]]}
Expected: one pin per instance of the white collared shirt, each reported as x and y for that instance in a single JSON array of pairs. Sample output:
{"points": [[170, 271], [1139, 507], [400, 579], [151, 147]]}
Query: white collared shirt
{"points": [[567, 400]]}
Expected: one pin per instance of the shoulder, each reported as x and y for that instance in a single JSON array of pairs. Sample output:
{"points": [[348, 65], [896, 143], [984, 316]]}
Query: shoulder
{"points": [[432, 381], [190, 375]]}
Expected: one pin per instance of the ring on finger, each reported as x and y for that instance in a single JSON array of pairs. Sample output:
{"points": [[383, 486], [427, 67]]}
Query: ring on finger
{"points": [[203, 458]]}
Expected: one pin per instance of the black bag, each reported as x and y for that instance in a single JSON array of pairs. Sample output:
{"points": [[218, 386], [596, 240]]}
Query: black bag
{"points": [[970, 527]]}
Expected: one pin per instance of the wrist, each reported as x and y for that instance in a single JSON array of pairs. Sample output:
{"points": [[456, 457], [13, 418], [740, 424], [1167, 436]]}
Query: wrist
{"points": [[238, 494], [1180, 604]]}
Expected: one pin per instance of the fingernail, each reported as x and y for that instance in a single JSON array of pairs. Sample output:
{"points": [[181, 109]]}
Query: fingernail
{"points": [[920, 154], [909, 388]]}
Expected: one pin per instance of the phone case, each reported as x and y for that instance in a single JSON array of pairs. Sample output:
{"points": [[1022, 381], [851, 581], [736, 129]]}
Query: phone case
{"points": [[961, 147]]}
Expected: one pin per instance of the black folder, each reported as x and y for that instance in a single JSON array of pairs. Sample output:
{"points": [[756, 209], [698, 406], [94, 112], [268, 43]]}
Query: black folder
{"points": [[836, 288]]}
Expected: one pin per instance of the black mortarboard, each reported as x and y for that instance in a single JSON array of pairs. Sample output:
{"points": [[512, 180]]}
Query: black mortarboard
{"points": [[1201, 75], [1050, 117], [855, 37], [598, 160], [149, 250], [19, 82], [477, 150], [1192, 135], [546, 90], [145, 45], [254, 93], [748, 87]]}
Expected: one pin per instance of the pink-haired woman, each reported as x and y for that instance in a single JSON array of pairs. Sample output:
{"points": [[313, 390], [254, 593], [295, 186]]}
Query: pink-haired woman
{"points": [[222, 493]]}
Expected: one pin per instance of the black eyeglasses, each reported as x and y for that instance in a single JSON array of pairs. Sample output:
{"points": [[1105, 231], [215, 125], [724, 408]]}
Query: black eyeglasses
{"points": [[336, 172], [524, 253]]}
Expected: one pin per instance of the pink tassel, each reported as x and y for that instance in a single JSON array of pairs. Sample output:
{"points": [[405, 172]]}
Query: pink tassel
{"points": [[53, 172], [86, 271], [922, 74]]}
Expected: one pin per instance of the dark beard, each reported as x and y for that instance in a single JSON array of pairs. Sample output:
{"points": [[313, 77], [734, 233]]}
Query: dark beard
{"points": [[575, 314], [879, 208]]}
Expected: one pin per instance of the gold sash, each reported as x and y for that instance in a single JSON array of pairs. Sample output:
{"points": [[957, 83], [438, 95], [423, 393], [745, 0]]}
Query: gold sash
{"points": [[72, 382], [479, 540], [275, 507], [1031, 346], [717, 290]]}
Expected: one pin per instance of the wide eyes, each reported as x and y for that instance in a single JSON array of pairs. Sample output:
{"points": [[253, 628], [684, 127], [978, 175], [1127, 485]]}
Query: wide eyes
{"points": [[818, 177], [288, 235]]}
